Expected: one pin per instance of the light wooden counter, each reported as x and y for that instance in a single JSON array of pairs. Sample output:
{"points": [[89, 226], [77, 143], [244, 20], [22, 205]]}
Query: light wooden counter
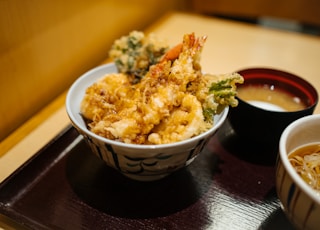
{"points": [[230, 46]]}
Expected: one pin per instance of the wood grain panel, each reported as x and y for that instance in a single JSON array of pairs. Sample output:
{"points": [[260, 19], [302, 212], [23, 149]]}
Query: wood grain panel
{"points": [[304, 11], [45, 45]]}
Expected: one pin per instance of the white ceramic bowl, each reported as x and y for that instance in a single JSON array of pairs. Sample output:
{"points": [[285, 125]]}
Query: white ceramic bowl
{"points": [[300, 203], [140, 162]]}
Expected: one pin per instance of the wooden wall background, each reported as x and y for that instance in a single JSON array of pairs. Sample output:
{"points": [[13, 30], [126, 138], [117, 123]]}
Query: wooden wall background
{"points": [[46, 44]]}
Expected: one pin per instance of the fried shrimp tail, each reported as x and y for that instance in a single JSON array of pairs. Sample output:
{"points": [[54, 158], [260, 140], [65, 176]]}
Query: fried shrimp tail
{"points": [[173, 53]]}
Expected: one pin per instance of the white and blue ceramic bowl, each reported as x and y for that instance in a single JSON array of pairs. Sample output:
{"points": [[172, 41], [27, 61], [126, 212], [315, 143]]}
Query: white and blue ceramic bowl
{"points": [[298, 200], [139, 162]]}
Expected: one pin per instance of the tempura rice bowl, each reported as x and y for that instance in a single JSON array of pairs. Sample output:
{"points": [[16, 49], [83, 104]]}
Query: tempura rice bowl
{"points": [[139, 162]]}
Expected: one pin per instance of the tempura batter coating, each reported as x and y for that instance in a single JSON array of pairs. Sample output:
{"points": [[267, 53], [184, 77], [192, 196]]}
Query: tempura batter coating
{"points": [[165, 106], [135, 53]]}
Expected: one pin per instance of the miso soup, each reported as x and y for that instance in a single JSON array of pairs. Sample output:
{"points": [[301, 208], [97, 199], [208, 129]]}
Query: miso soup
{"points": [[306, 162], [270, 98]]}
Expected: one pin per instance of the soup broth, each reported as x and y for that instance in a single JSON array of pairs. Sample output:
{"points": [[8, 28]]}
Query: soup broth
{"points": [[270, 98], [306, 162]]}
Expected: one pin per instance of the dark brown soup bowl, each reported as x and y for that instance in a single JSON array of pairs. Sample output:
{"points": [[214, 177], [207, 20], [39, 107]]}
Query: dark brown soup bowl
{"points": [[261, 126]]}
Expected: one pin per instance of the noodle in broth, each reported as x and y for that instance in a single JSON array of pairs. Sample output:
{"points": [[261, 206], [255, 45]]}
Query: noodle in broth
{"points": [[306, 162]]}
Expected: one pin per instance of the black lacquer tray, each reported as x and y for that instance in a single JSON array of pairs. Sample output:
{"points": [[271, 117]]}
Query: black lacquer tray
{"points": [[64, 186]]}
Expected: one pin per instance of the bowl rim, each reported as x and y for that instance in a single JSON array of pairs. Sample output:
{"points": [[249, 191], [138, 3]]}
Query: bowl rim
{"points": [[78, 81], [284, 157], [268, 70]]}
